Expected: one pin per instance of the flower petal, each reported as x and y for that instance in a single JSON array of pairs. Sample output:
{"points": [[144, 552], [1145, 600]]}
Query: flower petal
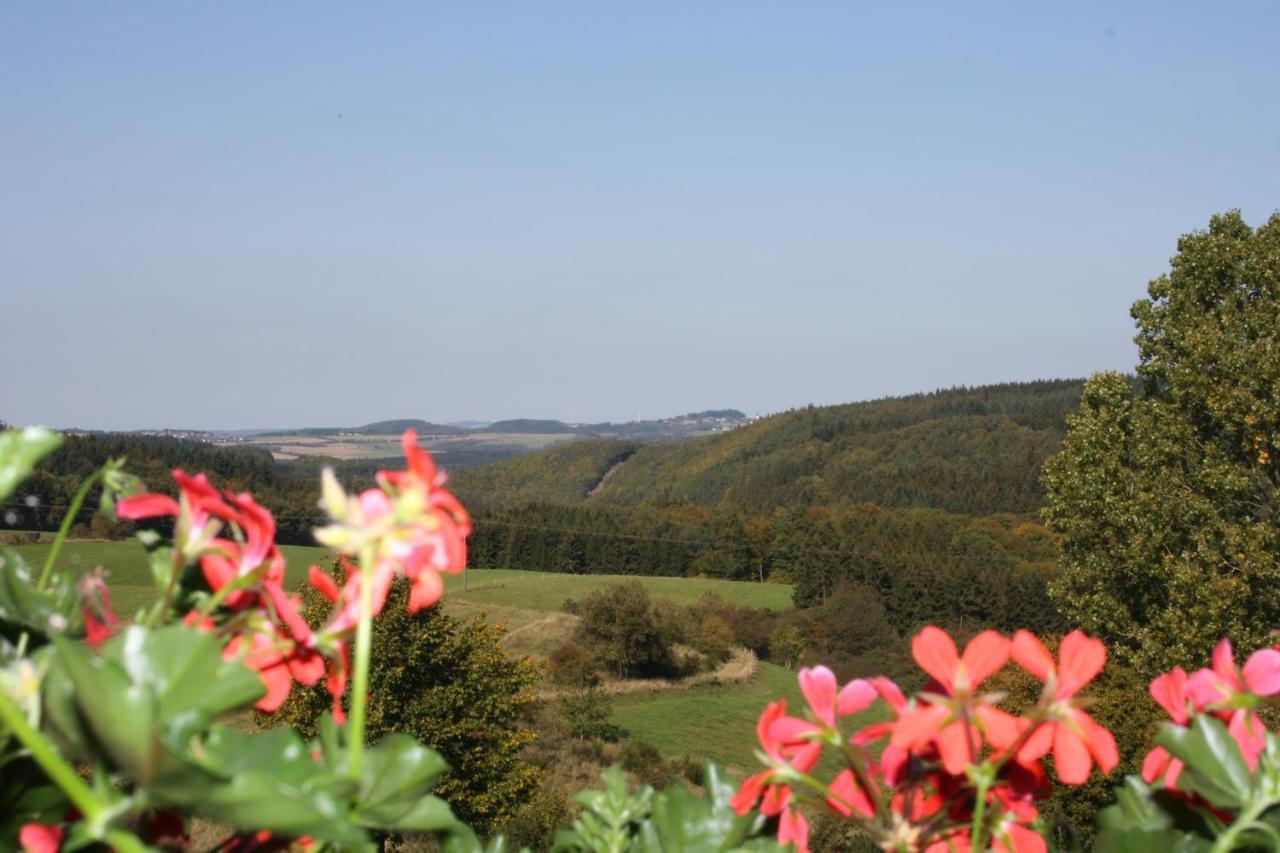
{"points": [[1030, 654], [1170, 691], [1070, 755], [1262, 672], [917, 727], [855, 696], [984, 654], [819, 688], [935, 652], [1080, 659]]}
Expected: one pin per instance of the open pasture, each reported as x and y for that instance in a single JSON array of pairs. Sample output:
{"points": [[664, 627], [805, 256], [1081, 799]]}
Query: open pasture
{"points": [[496, 589]]}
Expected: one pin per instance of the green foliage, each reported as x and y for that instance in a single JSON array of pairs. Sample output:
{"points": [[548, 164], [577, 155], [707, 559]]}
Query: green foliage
{"points": [[586, 711], [850, 632], [614, 820], [20, 450], [578, 467], [620, 627], [24, 609], [786, 645], [1233, 808], [1167, 496], [144, 709], [449, 685]]}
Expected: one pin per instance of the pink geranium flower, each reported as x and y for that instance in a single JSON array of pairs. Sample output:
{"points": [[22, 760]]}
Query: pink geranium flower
{"points": [[1230, 691]]}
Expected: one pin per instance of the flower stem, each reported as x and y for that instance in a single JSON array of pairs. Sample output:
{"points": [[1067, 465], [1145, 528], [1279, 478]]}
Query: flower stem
{"points": [[80, 795], [67, 521], [978, 827], [360, 678]]}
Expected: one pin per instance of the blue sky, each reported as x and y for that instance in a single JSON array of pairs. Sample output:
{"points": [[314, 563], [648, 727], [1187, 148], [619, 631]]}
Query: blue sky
{"points": [[246, 214]]}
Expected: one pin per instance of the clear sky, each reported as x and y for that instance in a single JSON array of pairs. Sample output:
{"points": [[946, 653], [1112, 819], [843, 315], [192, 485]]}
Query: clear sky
{"points": [[279, 214]]}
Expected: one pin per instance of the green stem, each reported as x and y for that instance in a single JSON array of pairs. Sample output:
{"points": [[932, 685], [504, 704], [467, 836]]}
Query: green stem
{"points": [[1247, 820], [360, 679], [67, 521], [978, 826]]}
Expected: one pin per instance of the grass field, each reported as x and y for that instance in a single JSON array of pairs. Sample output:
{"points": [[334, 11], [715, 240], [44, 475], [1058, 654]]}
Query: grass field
{"points": [[716, 723], [499, 589], [548, 591]]}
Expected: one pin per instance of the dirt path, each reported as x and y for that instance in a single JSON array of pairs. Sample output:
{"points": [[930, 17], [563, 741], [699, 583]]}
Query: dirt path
{"points": [[613, 469]]}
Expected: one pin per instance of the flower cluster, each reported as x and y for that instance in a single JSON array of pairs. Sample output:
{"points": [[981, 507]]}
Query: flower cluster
{"points": [[408, 525], [1224, 691], [947, 768]]}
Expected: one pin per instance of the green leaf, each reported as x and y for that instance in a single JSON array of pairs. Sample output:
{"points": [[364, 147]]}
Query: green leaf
{"points": [[144, 697], [395, 778], [185, 671], [1145, 818], [1215, 769], [270, 781], [23, 609], [20, 450], [681, 821]]}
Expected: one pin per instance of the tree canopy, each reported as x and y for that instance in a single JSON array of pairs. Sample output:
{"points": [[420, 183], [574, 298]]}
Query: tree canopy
{"points": [[1165, 492]]}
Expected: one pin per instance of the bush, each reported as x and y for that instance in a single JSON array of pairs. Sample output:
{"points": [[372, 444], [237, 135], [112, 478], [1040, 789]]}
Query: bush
{"points": [[786, 645], [642, 760], [573, 665], [534, 826], [587, 712], [620, 626]]}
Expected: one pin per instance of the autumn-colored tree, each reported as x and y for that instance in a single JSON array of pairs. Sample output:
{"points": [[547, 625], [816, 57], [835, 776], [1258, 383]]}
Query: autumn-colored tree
{"points": [[1167, 491]]}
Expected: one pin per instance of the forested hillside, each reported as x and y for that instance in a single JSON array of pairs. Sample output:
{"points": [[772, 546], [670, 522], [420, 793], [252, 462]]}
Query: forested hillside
{"points": [[973, 450]]}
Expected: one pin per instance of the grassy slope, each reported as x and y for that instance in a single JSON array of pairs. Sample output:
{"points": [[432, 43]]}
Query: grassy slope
{"points": [[713, 723], [546, 591]]}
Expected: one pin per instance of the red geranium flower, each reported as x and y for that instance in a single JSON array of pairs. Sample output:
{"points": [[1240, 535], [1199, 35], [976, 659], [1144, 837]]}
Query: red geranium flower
{"points": [[952, 714], [1076, 740]]}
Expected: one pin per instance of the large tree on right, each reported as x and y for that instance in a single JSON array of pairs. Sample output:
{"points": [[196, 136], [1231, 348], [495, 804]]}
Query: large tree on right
{"points": [[1165, 492]]}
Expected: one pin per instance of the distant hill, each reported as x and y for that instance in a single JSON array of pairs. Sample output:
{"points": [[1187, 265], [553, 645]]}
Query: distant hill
{"points": [[680, 426], [393, 427], [969, 450], [527, 426]]}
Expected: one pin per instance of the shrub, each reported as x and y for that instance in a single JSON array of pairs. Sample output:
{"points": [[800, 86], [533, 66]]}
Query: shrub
{"points": [[587, 712], [620, 626], [572, 665]]}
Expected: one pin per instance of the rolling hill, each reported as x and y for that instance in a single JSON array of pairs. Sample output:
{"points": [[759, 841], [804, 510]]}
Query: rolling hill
{"points": [[969, 450]]}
